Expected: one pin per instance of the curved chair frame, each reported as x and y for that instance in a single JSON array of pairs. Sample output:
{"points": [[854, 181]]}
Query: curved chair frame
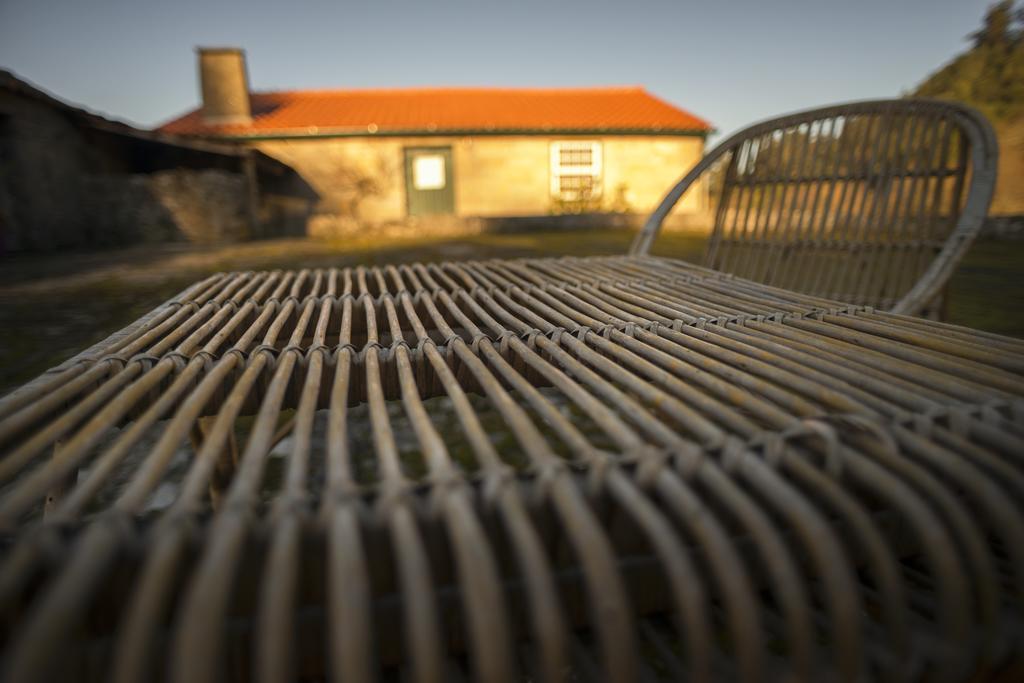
{"points": [[979, 148]]}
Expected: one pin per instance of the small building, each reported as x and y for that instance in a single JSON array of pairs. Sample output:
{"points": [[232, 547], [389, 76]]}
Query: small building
{"points": [[71, 178], [379, 156]]}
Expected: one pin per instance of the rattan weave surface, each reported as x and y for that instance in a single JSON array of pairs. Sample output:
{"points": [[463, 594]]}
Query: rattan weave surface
{"points": [[625, 468]]}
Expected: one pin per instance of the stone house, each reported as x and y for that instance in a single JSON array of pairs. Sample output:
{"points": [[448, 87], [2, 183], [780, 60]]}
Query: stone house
{"points": [[71, 178], [393, 155]]}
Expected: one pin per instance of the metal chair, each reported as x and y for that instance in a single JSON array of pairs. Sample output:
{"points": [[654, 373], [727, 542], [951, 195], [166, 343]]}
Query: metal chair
{"points": [[871, 203]]}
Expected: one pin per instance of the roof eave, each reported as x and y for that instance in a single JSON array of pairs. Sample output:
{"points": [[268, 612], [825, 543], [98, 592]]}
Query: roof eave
{"points": [[292, 134]]}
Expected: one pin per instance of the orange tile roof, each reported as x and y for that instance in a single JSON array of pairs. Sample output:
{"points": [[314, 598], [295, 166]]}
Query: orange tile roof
{"points": [[433, 110]]}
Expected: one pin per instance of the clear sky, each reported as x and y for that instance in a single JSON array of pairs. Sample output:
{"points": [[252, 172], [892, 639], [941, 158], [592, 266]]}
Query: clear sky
{"points": [[729, 61]]}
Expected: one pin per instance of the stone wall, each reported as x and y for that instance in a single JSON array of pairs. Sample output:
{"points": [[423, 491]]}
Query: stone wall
{"points": [[362, 179], [71, 180], [124, 210], [203, 207], [43, 158], [208, 206]]}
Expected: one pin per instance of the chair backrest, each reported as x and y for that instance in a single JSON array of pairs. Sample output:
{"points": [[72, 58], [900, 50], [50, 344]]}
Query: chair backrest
{"points": [[871, 203]]}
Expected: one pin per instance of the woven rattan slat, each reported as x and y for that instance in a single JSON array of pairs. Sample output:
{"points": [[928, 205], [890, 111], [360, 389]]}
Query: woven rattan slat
{"points": [[513, 470]]}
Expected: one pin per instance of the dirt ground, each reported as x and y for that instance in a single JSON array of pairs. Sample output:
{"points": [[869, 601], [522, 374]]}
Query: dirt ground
{"points": [[51, 307]]}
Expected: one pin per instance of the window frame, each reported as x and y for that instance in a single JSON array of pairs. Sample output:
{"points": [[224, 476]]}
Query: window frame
{"points": [[595, 169]]}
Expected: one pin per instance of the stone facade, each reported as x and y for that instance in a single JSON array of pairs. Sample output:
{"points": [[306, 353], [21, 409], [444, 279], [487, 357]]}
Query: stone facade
{"points": [[361, 180], [43, 158], [62, 188], [202, 207], [70, 178], [456, 160]]}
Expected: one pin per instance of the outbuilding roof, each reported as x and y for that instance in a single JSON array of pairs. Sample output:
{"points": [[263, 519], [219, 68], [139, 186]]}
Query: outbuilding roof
{"points": [[163, 146], [451, 111]]}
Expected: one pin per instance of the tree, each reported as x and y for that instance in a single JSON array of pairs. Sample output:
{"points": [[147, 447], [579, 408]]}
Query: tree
{"points": [[989, 76], [997, 26]]}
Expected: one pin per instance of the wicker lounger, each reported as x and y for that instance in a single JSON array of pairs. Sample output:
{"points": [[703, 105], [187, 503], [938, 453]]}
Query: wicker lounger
{"points": [[626, 468]]}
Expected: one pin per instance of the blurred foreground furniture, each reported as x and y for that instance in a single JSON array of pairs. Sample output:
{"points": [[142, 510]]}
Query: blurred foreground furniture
{"points": [[619, 468], [511, 470], [871, 203]]}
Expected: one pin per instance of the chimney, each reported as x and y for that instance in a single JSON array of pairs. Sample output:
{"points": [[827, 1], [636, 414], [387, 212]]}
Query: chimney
{"points": [[225, 86]]}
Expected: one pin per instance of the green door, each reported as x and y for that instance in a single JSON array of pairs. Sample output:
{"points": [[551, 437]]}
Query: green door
{"points": [[428, 181]]}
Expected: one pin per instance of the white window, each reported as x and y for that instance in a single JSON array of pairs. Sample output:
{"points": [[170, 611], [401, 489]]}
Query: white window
{"points": [[428, 172], [575, 170]]}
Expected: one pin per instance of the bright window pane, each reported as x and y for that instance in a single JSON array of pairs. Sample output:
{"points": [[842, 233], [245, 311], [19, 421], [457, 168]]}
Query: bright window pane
{"points": [[428, 172]]}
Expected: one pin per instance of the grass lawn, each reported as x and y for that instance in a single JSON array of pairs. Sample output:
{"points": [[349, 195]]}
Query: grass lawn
{"points": [[987, 290], [51, 307]]}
